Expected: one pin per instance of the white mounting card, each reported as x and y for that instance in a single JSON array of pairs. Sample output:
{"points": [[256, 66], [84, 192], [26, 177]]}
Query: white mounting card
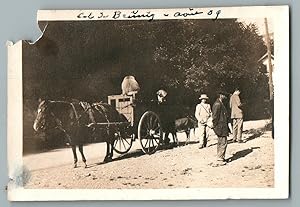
{"points": [[58, 89]]}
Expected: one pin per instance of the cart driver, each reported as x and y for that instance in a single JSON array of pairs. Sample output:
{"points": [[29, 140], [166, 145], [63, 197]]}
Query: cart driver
{"points": [[161, 96], [166, 115]]}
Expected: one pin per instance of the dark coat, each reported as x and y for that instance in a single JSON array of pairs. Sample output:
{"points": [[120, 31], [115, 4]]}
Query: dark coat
{"points": [[166, 114], [220, 119]]}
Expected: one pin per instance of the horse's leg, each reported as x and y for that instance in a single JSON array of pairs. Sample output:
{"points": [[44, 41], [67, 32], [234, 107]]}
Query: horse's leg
{"points": [[111, 148], [166, 138], [194, 131], [82, 155], [107, 156], [111, 139], [187, 132], [107, 151], [74, 155], [173, 137], [175, 140]]}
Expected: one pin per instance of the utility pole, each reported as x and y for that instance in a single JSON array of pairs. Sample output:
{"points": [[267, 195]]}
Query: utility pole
{"points": [[271, 89]]}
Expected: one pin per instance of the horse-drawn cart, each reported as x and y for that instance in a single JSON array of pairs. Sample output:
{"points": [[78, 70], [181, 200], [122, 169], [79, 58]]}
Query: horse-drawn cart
{"points": [[141, 123], [124, 119]]}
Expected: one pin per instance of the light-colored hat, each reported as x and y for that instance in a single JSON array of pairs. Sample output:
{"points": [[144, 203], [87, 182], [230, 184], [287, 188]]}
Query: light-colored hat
{"points": [[162, 93], [203, 96]]}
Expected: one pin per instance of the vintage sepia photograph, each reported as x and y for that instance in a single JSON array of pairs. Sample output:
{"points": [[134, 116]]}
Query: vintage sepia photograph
{"points": [[177, 100]]}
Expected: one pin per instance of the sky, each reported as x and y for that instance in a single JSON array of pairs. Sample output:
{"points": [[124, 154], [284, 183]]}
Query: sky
{"points": [[259, 23]]}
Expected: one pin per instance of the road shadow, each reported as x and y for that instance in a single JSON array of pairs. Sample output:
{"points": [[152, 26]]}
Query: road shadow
{"points": [[139, 153], [241, 154], [173, 145], [229, 141], [180, 144], [210, 145], [132, 154], [255, 133]]}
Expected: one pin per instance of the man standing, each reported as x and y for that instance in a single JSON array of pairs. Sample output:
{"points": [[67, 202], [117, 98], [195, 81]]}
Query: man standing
{"points": [[236, 116], [166, 116], [202, 114], [220, 127]]}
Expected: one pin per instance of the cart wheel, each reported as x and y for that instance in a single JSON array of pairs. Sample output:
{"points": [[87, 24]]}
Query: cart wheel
{"points": [[149, 132], [123, 142]]}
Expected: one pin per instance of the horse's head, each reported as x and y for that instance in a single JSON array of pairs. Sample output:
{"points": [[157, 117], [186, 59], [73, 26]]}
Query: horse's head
{"points": [[193, 120], [44, 116]]}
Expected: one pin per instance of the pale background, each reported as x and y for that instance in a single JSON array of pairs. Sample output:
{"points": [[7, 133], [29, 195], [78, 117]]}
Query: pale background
{"points": [[18, 21]]}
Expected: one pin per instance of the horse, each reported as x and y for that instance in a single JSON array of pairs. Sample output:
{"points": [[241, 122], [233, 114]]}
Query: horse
{"points": [[75, 122], [186, 124]]}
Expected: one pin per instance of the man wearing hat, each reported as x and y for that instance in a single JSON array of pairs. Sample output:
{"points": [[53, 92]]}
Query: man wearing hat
{"points": [[202, 114], [220, 127]]}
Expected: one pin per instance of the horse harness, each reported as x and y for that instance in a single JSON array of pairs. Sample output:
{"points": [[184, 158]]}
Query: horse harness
{"points": [[77, 116], [86, 106]]}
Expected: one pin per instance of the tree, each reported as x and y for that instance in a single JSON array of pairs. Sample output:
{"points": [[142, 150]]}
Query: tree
{"points": [[88, 60], [213, 55]]}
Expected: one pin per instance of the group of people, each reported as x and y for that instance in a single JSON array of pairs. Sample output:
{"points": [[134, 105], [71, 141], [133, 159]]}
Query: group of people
{"points": [[216, 118], [219, 120]]}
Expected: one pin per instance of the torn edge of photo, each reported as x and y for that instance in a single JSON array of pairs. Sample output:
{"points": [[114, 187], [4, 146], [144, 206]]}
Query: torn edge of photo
{"points": [[165, 65]]}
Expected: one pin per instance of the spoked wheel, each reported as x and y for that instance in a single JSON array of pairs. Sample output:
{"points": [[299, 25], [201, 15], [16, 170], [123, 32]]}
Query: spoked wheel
{"points": [[149, 132], [123, 142]]}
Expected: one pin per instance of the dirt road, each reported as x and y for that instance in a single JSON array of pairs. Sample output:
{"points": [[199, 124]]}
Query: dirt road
{"points": [[251, 164]]}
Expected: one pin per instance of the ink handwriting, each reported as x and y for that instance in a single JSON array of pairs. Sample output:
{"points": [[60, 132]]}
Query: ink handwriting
{"points": [[134, 15], [148, 15]]}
